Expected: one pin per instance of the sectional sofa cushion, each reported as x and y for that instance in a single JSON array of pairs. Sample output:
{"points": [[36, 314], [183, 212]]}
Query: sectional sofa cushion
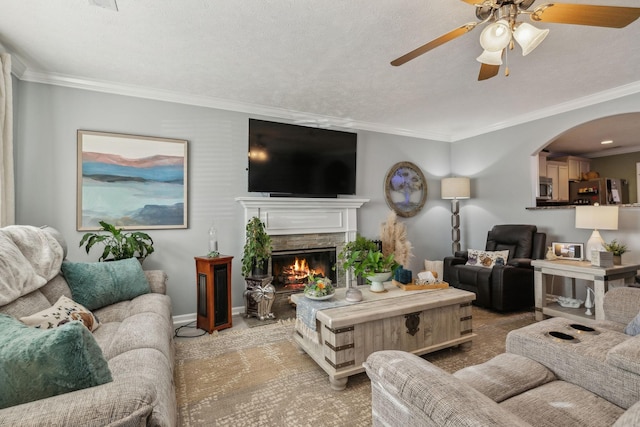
{"points": [[98, 284], [39, 363]]}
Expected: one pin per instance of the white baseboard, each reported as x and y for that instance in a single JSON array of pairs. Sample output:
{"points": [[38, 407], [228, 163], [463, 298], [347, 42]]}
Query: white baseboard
{"points": [[185, 319]]}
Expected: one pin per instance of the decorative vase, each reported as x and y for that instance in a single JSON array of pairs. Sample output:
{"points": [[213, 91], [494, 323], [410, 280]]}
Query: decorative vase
{"points": [[377, 280], [589, 302], [617, 260]]}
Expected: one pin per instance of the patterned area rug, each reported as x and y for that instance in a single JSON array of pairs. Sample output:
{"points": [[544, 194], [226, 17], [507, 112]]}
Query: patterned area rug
{"points": [[257, 377]]}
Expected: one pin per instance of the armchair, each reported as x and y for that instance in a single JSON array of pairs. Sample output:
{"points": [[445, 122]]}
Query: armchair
{"points": [[502, 287]]}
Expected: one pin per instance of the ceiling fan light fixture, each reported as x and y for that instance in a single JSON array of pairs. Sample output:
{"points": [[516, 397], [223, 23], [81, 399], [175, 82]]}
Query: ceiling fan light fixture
{"points": [[496, 36], [490, 58], [529, 37]]}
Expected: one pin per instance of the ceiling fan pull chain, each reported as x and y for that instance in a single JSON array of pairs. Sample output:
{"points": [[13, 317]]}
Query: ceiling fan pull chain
{"points": [[506, 63]]}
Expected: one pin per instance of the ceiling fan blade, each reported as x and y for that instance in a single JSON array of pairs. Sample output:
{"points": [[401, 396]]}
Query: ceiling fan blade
{"points": [[487, 71], [473, 2], [584, 14], [434, 43]]}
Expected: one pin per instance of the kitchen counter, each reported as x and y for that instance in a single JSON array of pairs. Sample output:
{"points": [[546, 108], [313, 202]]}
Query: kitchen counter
{"points": [[568, 206]]}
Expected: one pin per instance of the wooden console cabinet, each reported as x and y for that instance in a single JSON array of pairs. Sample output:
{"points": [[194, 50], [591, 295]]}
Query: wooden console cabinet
{"points": [[213, 287]]}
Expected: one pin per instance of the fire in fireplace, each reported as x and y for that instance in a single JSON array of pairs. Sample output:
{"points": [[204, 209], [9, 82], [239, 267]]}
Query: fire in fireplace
{"points": [[291, 268]]}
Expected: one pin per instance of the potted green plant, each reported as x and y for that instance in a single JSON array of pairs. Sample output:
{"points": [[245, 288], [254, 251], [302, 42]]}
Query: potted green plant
{"points": [[375, 266], [362, 246], [257, 249], [617, 250], [119, 244]]}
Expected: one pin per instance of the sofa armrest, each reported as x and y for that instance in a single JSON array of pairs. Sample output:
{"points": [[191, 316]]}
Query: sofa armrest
{"points": [[449, 262], [630, 418], [157, 281], [626, 355], [409, 391], [621, 304], [520, 262], [118, 403]]}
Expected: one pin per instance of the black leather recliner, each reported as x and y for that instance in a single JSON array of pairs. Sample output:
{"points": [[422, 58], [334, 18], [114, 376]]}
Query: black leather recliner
{"points": [[503, 287]]}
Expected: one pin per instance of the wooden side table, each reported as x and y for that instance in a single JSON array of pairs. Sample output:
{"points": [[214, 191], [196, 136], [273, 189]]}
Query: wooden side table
{"points": [[600, 276], [213, 287]]}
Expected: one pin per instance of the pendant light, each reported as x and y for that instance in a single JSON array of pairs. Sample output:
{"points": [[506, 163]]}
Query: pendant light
{"points": [[529, 37]]}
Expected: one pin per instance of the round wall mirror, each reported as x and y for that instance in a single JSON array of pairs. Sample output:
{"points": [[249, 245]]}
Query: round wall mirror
{"points": [[405, 189]]}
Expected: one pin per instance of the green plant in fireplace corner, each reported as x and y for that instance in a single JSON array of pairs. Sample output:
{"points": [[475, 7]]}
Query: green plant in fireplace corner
{"points": [[257, 248], [119, 244]]}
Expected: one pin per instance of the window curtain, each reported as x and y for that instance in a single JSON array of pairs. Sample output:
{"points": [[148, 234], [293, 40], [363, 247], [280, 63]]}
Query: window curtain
{"points": [[7, 192]]}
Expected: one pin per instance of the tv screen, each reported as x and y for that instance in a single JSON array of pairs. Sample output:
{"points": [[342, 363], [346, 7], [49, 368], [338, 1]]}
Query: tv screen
{"points": [[301, 161]]}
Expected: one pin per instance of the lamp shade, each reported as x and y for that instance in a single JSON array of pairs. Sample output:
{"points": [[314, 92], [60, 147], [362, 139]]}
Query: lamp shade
{"points": [[455, 188], [529, 37], [597, 217], [496, 36], [490, 58]]}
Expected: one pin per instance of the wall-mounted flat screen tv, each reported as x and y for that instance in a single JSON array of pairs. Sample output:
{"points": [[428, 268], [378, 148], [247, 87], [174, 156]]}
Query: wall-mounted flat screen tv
{"points": [[292, 160]]}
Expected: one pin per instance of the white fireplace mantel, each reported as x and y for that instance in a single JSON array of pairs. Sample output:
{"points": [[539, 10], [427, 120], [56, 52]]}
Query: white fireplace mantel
{"points": [[289, 215]]}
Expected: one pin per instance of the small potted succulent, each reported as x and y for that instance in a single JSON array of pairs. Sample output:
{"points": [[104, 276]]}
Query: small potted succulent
{"points": [[617, 249], [119, 244]]}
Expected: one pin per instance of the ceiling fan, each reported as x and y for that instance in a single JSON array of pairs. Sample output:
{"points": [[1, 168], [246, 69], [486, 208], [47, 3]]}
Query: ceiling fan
{"points": [[499, 36]]}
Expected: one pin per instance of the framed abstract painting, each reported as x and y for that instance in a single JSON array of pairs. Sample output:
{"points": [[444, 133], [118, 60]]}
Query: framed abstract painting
{"points": [[130, 181]]}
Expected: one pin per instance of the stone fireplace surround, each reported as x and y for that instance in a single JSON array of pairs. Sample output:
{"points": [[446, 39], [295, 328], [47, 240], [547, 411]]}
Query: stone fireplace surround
{"points": [[305, 223]]}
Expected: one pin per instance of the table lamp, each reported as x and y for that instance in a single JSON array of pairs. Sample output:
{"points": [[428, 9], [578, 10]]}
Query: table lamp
{"points": [[455, 189], [597, 218]]}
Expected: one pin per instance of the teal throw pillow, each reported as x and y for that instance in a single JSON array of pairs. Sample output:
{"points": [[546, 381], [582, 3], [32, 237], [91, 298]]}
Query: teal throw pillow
{"points": [[39, 363], [98, 284]]}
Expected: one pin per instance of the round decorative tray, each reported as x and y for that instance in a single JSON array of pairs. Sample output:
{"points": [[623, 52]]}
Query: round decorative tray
{"points": [[569, 302], [322, 298]]}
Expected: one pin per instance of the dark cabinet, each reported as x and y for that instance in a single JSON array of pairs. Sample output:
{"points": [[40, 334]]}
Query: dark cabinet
{"points": [[213, 284]]}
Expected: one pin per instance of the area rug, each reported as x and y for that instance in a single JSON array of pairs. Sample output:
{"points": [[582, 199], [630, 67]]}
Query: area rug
{"points": [[257, 376]]}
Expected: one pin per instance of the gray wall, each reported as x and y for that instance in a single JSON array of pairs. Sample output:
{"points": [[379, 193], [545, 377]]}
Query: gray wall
{"points": [[500, 165], [49, 116]]}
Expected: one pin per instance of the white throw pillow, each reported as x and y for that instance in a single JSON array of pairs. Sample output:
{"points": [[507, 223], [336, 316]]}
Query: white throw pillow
{"points": [[633, 328], [487, 259], [63, 311]]}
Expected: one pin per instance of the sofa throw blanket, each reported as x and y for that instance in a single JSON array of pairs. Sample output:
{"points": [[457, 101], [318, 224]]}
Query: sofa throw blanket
{"points": [[29, 258]]}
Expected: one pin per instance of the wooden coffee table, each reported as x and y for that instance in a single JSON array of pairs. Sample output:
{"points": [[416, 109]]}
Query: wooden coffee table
{"points": [[418, 322]]}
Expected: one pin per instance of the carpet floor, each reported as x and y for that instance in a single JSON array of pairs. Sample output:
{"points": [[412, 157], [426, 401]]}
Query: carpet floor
{"points": [[257, 377]]}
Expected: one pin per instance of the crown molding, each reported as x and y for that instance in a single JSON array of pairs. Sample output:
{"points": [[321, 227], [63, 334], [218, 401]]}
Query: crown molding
{"points": [[23, 73], [565, 107], [18, 67], [218, 103]]}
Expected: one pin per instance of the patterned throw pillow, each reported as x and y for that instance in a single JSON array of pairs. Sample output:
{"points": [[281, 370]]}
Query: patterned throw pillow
{"points": [[487, 258], [63, 311]]}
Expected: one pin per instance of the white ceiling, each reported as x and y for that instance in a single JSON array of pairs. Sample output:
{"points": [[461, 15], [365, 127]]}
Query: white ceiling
{"points": [[319, 61]]}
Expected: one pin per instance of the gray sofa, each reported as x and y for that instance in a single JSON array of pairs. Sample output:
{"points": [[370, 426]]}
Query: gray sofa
{"points": [[136, 339], [575, 378]]}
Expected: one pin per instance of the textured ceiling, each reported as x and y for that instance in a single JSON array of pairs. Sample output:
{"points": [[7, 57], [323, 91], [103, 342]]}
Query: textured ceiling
{"points": [[324, 62]]}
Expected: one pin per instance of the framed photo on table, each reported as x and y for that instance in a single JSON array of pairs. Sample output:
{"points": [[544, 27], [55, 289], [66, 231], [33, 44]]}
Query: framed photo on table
{"points": [[131, 181], [572, 251]]}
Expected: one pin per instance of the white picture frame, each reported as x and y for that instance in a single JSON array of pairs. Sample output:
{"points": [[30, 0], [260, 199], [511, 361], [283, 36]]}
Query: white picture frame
{"points": [[569, 251]]}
